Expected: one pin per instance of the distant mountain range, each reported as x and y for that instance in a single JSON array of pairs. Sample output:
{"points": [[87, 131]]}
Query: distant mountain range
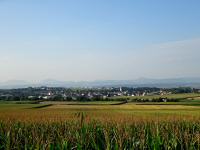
{"points": [[141, 82]]}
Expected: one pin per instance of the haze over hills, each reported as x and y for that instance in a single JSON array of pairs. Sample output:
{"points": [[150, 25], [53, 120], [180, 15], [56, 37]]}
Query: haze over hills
{"points": [[89, 40], [141, 82]]}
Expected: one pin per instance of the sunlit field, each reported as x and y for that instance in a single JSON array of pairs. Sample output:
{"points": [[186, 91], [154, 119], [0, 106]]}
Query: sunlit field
{"points": [[116, 113], [100, 125]]}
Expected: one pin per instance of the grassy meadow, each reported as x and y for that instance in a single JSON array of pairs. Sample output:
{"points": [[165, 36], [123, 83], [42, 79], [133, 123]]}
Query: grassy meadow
{"points": [[101, 125], [172, 96]]}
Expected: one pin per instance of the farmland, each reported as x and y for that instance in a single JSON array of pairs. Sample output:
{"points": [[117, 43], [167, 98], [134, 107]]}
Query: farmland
{"points": [[172, 96], [101, 125]]}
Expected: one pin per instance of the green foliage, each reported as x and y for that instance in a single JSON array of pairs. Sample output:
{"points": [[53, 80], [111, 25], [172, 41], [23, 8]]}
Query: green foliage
{"points": [[96, 135]]}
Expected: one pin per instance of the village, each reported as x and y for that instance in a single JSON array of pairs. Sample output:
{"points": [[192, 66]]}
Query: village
{"points": [[85, 94]]}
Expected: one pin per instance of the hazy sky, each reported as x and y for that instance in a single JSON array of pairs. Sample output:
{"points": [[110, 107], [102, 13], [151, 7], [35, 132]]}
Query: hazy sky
{"points": [[99, 39]]}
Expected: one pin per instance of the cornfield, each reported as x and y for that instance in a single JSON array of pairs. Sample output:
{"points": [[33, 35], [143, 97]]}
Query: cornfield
{"points": [[81, 134]]}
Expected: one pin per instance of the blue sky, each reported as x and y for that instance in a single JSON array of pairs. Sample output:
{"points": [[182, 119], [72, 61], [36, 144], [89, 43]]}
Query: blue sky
{"points": [[98, 40]]}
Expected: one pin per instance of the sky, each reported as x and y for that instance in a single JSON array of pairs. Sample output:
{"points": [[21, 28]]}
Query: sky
{"points": [[85, 40]]}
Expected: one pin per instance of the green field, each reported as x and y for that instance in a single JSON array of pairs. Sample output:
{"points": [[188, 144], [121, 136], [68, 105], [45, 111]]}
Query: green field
{"points": [[101, 125], [175, 96]]}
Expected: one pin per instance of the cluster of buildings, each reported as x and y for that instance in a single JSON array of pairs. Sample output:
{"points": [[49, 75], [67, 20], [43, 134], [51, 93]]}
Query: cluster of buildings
{"points": [[81, 94]]}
